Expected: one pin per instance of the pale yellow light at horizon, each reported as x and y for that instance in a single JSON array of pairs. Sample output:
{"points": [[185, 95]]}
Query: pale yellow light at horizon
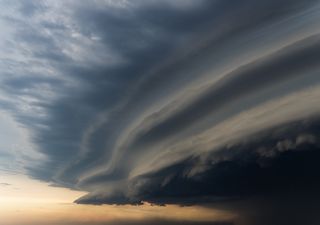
{"points": [[29, 202]]}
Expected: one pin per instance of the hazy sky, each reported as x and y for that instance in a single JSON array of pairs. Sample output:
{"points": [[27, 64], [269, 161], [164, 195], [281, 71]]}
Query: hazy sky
{"points": [[159, 112]]}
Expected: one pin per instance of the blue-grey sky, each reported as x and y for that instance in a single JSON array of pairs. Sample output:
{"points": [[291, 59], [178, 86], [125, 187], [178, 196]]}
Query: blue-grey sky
{"points": [[169, 102]]}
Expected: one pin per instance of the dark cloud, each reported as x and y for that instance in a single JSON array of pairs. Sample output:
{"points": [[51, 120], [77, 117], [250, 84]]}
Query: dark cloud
{"points": [[243, 81], [272, 180], [170, 102], [281, 160], [29, 8], [120, 91]]}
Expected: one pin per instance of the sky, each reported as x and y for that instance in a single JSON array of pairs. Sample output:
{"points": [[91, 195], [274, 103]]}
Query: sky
{"points": [[164, 112]]}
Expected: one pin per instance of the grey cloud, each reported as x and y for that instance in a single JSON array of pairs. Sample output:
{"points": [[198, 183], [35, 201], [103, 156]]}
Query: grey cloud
{"points": [[29, 8], [234, 172], [242, 82], [279, 189], [104, 89]]}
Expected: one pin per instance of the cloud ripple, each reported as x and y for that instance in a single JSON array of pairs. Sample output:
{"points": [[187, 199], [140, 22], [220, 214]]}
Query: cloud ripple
{"points": [[184, 102]]}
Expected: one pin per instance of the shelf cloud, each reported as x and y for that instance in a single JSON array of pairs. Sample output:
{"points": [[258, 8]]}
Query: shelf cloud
{"points": [[169, 102]]}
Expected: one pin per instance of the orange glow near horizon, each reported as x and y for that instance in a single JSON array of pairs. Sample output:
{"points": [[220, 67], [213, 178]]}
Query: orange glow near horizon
{"points": [[31, 202]]}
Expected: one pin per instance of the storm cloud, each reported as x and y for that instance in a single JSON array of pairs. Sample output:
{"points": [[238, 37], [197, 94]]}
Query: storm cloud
{"points": [[169, 102]]}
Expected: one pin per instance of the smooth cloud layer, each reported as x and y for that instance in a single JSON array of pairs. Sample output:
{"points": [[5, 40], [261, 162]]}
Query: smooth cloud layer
{"points": [[182, 102]]}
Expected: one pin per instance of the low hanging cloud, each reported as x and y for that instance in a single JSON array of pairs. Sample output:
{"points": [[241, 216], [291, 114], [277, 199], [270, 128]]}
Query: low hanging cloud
{"points": [[167, 102], [252, 168]]}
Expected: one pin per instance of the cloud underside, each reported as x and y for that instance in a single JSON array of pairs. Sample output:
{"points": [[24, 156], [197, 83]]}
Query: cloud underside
{"points": [[167, 102], [279, 160], [214, 141]]}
